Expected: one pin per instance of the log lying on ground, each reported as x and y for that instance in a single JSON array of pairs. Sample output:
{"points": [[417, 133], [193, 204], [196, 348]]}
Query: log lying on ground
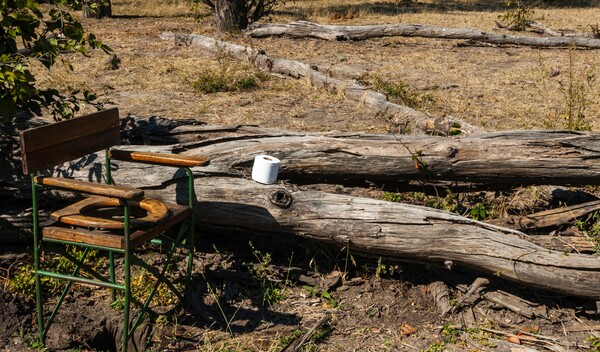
{"points": [[303, 29], [495, 160], [368, 226], [375, 228], [540, 28], [408, 118], [548, 218], [499, 159]]}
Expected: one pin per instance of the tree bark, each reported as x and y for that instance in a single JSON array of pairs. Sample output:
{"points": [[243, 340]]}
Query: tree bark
{"points": [[229, 16], [101, 11], [493, 161], [500, 159], [374, 228], [410, 120], [303, 29]]}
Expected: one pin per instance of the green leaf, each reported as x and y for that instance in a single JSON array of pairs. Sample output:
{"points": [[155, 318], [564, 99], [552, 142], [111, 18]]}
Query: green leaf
{"points": [[8, 109]]}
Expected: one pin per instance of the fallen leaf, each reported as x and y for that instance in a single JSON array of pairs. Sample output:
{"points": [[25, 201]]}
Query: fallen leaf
{"points": [[406, 329], [514, 339]]}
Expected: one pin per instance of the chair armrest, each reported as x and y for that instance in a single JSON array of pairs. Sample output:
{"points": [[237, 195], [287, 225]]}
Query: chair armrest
{"points": [[100, 189], [159, 158]]}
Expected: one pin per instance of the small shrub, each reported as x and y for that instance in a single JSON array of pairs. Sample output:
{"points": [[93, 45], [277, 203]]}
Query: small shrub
{"points": [[270, 287], [401, 93], [517, 15], [577, 92], [227, 79], [212, 81], [595, 30], [245, 83], [578, 95], [480, 212], [393, 197]]}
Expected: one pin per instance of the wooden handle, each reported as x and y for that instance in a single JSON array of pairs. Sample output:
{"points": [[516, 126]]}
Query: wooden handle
{"points": [[159, 158], [100, 189]]}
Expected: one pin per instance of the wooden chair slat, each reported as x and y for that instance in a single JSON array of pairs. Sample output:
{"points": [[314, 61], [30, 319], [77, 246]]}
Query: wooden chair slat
{"points": [[159, 158], [83, 236], [100, 189], [46, 146], [178, 214]]}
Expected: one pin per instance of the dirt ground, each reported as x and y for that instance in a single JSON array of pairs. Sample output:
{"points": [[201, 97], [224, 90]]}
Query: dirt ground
{"points": [[269, 298]]}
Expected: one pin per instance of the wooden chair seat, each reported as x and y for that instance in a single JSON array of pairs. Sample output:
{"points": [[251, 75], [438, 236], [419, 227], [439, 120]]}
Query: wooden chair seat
{"points": [[60, 231], [103, 213]]}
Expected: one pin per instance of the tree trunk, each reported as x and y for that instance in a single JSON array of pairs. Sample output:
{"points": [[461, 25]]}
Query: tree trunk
{"points": [[493, 161], [230, 16], [101, 11], [303, 29]]}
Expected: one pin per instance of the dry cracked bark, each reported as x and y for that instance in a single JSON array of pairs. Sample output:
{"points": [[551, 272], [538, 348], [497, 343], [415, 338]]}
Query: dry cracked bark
{"points": [[304, 29]]}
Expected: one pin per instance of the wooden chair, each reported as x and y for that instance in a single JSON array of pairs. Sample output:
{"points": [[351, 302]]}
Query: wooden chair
{"points": [[93, 223]]}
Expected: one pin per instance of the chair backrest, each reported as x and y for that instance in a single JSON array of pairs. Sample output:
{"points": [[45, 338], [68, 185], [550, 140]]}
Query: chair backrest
{"points": [[49, 145]]}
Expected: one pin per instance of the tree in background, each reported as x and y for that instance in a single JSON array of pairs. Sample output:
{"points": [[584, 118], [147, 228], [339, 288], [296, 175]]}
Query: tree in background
{"points": [[235, 15], [32, 32], [97, 8]]}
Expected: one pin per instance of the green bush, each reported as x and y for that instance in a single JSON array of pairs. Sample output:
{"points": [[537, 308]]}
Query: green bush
{"points": [[28, 33]]}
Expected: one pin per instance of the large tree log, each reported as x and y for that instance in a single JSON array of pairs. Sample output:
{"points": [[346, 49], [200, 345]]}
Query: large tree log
{"points": [[493, 161], [303, 29], [369, 226], [500, 159], [407, 118], [372, 227]]}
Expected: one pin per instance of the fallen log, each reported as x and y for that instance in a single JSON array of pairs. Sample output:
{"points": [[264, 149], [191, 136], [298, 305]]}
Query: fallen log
{"points": [[303, 29], [495, 160], [368, 226], [552, 217], [403, 116], [540, 28], [500, 159], [380, 228]]}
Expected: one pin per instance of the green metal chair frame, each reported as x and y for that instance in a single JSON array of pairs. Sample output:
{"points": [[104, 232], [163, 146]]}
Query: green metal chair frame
{"points": [[47, 146]]}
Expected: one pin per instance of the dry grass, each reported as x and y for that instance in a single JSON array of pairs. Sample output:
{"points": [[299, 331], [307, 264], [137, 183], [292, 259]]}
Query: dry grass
{"points": [[492, 87]]}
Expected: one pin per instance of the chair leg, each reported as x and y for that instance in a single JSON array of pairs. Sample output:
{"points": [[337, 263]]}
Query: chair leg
{"points": [[190, 264], [127, 303], [127, 277], [111, 268], [36, 259], [38, 299]]}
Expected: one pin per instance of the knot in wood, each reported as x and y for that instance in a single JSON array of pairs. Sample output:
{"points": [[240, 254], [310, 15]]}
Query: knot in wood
{"points": [[281, 198]]}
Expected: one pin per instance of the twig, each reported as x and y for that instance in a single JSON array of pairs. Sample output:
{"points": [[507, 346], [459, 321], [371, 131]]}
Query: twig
{"points": [[295, 345], [475, 287], [539, 340], [527, 336], [441, 295]]}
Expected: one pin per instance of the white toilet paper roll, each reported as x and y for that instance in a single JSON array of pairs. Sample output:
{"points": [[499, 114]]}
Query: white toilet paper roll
{"points": [[265, 169]]}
